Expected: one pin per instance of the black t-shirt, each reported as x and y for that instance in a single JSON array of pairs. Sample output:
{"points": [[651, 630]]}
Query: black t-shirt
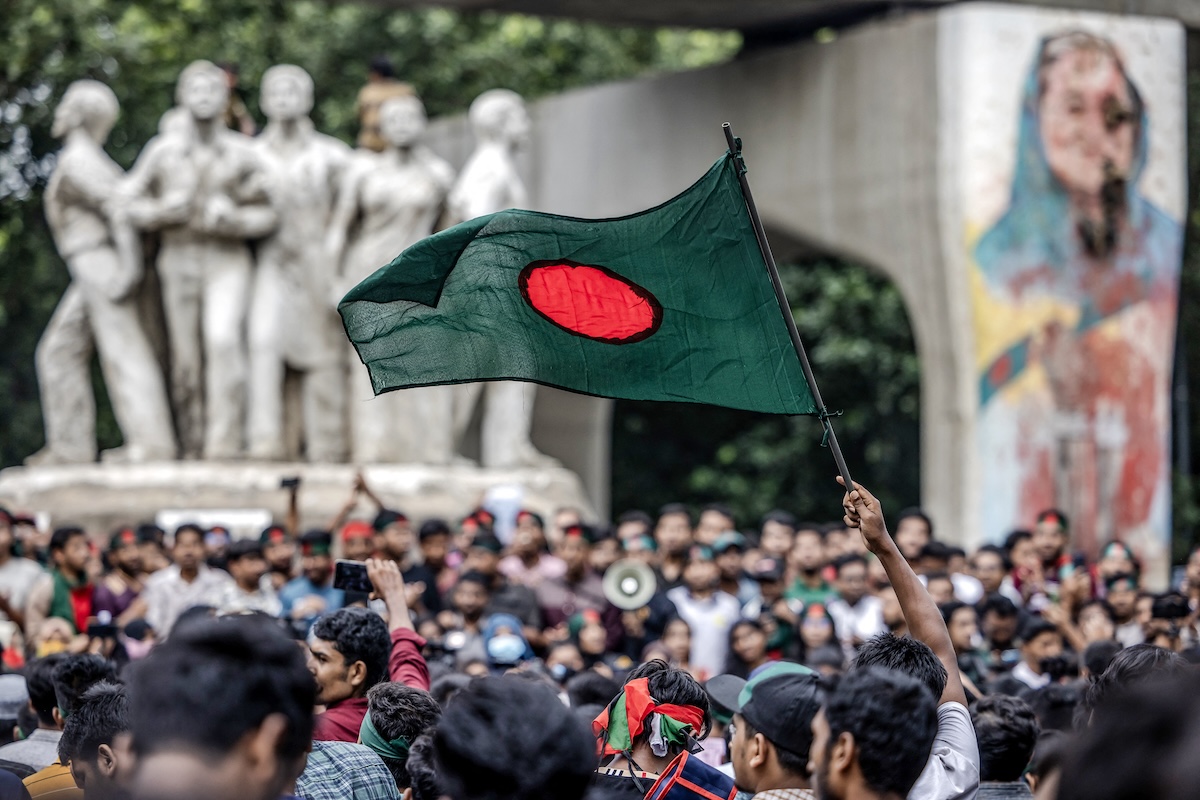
{"points": [[618, 787], [430, 597]]}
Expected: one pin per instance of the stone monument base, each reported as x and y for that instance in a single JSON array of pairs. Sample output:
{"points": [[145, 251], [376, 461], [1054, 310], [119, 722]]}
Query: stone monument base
{"points": [[101, 497]]}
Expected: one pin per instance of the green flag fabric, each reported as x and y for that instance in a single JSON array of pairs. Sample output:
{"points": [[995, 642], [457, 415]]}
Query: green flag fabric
{"points": [[673, 303]]}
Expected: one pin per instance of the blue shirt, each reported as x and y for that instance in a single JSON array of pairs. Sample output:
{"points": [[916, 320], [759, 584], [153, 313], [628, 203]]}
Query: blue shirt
{"points": [[299, 588]]}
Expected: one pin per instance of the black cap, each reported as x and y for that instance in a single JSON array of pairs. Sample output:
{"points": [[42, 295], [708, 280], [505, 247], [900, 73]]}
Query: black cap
{"points": [[780, 702], [767, 569], [316, 543], [488, 542]]}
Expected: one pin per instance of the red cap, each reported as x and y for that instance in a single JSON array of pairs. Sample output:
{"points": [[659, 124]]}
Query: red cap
{"points": [[357, 529]]}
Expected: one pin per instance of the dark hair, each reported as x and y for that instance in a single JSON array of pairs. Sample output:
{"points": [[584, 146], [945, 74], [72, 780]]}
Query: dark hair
{"points": [[938, 576], [722, 509], [1141, 743], [591, 687], [938, 550], [60, 537], [950, 609], [999, 605], [1013, 539], [913, 512], [1034, 627], [382, 66], [243, 548], [794, 762], [213, 681], [447, 686], [906, 655], [1047, 753], [422, 776], [810, 527], [359, 634], [102, 713], [998, 551], [675, 508], [1098, 655], [400, 711], [508, 739], [1054, 512], [1130, 668], [893, 719], [780, 516], [670, 685], [956, 552], [846, 560], [1007, 730], [39, 680], [433, 527], [1054, 705], [636, 515], [74, 675], [188, 527]]}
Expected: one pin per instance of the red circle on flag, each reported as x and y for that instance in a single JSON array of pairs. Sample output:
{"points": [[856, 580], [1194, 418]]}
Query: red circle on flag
{"points": [[590, 301]]}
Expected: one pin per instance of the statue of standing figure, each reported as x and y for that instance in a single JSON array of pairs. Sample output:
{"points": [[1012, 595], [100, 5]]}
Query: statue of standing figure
{"points": [[99, 309], [489, 183], [206, 193], [292, 324], [386, 203]]}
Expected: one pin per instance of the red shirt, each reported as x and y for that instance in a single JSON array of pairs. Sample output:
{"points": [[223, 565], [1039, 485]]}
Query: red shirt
{"points": [[341, 721]]}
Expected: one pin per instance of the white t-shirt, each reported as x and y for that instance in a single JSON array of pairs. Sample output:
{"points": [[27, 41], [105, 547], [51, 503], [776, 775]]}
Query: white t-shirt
{"points": [[952, 772], [17, 577], [710, 621]]}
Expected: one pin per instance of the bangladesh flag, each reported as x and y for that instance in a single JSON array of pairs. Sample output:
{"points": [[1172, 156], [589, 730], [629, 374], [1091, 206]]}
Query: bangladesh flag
{"points": [[673, 303]]}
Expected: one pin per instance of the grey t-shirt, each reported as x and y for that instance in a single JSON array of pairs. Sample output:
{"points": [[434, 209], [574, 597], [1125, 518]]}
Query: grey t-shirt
{"points": [[952, 772]]}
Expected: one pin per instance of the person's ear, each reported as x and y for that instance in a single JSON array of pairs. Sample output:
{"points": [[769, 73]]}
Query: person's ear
{"points": [[260, 748], [58, 718], [106, 761], [407, 794], [756, 753], [356, 675], [843, 754]]}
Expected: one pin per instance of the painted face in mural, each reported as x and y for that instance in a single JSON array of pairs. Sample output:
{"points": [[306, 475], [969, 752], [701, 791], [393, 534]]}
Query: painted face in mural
{"points": [[1087, 121]]}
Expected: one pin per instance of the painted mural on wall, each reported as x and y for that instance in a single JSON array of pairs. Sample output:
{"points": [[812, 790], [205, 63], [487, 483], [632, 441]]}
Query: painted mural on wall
{"points": [[1075, 284]]}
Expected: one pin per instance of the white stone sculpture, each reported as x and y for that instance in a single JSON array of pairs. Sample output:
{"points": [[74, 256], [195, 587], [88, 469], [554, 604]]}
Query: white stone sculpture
{"points": [[490, 182], [99, 310], [387, 202], [292, 324], [205, 191]]}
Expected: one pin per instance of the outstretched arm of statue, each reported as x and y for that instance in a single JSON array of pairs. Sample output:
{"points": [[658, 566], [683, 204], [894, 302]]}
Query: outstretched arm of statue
{"points": [[344, 212]]}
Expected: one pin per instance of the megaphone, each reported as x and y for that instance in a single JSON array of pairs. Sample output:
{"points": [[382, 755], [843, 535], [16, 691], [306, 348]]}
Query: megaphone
{"points": [[629, 584]]}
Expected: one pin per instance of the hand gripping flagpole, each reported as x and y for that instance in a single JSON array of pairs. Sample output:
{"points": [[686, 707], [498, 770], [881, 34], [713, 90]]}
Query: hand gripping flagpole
{"points": [[735, 149]]}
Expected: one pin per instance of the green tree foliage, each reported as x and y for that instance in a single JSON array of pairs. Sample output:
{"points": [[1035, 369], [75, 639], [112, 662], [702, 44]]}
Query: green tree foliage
{"points": [[856, 331], [139, 48]]}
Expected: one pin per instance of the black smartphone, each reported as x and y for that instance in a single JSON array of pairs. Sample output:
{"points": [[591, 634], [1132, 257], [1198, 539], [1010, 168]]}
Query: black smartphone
{"points": [[351, 576], [290, 483]]}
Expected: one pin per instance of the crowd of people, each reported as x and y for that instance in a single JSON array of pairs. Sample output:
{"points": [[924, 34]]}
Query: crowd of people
{"points": [[784, 662]]}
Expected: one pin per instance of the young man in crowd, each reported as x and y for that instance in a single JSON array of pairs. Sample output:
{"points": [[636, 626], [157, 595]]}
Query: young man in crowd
{"points": [[914, 530], [806, 562], [999, 621], [673, 535], [633, 524], [772, 731], [17, 575], [1050, 540], [358, 540], [715, 519], [991, 568], [729, 550], [186, 583], [857, 615], [707, 610], [434, 538], [99, 765], [312, 593], [776, 533], [40, 749], [1007, 731], [118, 590], [66, 592], [1121, 592], [241, 730], [952, 770], [872, 737], [280, 552], [962, 624], [1040, 641], [73, 676], [353, 649], [504, 596], [579, 589], [248, 592], [396, 716], [528, 563]]}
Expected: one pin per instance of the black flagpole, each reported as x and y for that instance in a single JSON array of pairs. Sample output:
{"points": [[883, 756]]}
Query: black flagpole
{"points": [[735, 149]]}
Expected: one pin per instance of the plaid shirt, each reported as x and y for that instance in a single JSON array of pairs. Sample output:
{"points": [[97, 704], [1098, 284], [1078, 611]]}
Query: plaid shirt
{"points": [[786, 794], [343, 771]]}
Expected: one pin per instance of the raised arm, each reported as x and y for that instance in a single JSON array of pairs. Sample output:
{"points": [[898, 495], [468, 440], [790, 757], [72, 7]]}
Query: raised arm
{"points": [[405, 663], [925, 622]]}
